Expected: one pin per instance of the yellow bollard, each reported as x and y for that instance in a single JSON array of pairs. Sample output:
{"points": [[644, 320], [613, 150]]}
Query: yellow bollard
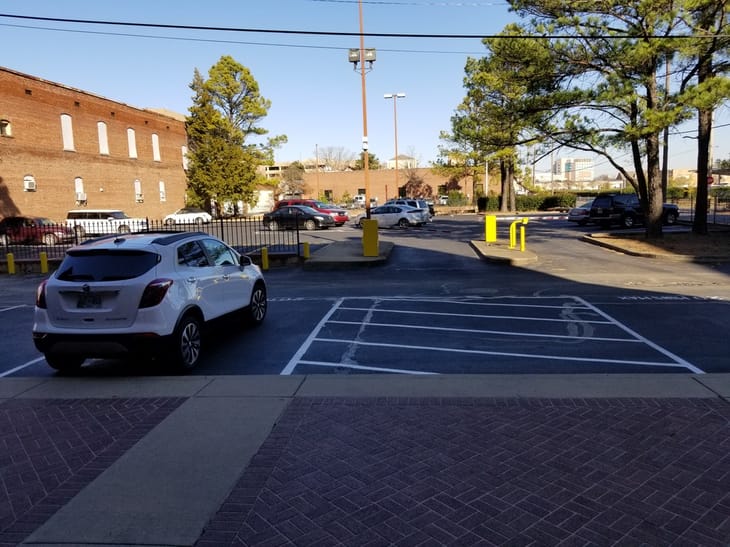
{"points": [[369, 237], [522, 235], [305, 249], [44, 261], [11, 263], [513, 233], [490, 228], [265, 258]]}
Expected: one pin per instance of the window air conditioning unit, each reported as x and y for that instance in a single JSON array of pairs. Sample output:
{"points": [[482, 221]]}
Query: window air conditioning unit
{"points": [[81, 197], [29, 183], [139, 198]]}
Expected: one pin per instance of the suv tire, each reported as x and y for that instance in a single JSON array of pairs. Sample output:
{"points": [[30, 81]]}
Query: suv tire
{"points": [[187, 343], [671, 218], [628, 221], [255, 313]]}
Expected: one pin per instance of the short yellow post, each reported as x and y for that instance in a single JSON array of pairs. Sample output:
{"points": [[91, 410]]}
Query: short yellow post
{"points": [[44, 261], [265, 258], [490, 228], [11, 264], [370, 245], [522, 235], [513, 233], [305, 249]]}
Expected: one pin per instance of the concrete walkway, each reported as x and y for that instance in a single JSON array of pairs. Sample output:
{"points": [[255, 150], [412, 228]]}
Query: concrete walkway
{"points": [[366, 460]]}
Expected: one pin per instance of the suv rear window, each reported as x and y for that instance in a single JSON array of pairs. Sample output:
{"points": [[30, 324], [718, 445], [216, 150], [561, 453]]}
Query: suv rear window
{"points": [[602, 201], [105, 265]]}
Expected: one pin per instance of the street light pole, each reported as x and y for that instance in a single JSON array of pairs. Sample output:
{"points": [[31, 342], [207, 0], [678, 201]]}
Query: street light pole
{"points": [[395, 97], [365, 147]]}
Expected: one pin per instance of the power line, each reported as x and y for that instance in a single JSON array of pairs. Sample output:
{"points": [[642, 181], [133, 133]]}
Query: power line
{"points": [[419, 4], [339, 33], [236, 42]]}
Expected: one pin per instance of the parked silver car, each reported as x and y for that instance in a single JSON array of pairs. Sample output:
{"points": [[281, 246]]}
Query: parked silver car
{"points": [[394, 215]]}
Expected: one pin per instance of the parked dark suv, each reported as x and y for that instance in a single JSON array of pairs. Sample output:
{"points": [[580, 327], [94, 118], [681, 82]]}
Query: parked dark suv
{"points": [[625, 210]]}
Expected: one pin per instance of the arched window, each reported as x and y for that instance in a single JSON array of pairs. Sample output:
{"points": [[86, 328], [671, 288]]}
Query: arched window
{"points": [[132, 143], [103, 138], [67, 132], [155, 147], [138, 195], [6, 129]]}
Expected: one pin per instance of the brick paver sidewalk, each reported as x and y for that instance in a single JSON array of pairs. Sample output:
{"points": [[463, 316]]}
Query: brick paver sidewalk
{"points": [[486, 472], [51, 449]]}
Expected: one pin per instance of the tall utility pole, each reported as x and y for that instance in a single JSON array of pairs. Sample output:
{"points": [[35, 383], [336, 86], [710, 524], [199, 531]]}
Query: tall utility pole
{"points": [[395, 97], [316, 166], [365, 157]]}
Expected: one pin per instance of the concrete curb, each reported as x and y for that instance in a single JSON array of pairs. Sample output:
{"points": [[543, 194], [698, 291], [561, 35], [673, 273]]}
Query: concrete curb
{"points": [[347, 254], [496, 252]]}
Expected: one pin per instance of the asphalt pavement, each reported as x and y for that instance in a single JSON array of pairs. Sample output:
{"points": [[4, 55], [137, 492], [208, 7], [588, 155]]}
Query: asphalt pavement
{"points": [[366, 459]]}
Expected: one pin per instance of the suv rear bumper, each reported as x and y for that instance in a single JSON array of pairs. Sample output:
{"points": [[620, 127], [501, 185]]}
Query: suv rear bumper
{"points": [[100, 345]]}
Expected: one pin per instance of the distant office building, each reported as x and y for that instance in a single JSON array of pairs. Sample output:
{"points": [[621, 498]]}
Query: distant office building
{"points": [[573, 170], [404, 162]]}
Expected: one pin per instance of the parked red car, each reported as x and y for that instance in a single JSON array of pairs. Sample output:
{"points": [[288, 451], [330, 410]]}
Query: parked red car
{"points": [[338, 214], [22, 229]]}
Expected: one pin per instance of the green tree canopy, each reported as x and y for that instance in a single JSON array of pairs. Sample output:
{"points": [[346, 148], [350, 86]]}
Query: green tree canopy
{"points": [[618, 51], [373, 161], [223, 120]]}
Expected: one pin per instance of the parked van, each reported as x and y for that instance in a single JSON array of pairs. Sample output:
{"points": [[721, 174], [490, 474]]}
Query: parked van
{"points": [[103, 221]]}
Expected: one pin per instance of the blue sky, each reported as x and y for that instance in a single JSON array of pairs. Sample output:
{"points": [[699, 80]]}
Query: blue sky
{"points": [[315, 93]]}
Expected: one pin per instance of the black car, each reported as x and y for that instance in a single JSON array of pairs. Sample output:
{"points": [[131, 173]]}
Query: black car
{"points": [[297, 216], [625, 210]]}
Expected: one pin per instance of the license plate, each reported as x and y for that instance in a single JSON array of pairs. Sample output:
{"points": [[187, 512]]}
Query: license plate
{"points": [[89, 300]]}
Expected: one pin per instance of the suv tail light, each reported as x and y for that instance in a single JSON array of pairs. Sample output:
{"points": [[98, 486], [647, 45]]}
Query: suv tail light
{"points": [[40, 295], [154, 292]]}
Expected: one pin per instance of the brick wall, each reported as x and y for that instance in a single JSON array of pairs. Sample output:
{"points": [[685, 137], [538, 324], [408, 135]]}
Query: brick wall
{"points": [[33, 108], [383, 184]]}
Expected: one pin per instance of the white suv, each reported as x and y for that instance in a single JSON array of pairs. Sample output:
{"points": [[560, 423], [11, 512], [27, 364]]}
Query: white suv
{"points": [[143, 294], [103, 221]]}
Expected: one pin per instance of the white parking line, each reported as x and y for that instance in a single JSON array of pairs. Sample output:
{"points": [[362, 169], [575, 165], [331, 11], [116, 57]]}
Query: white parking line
{"points": [[574, 312], [21, 367], [645, 340], [308, 342], [503, 353], [500, 332], [14, 307], [362, 367]]}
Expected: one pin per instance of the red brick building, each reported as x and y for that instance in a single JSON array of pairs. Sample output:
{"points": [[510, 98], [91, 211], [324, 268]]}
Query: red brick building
{"points": [[63, 148]]}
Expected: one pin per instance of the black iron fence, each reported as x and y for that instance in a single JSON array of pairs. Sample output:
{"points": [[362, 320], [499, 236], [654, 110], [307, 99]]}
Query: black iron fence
{"points": [[247, 235], [718, 209]]}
